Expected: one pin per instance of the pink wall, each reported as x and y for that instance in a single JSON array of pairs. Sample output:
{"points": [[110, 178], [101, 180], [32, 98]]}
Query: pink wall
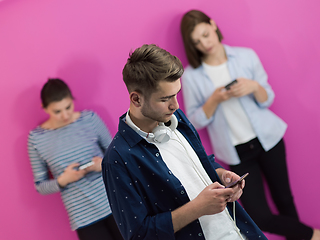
{"points": [[87, 44]]}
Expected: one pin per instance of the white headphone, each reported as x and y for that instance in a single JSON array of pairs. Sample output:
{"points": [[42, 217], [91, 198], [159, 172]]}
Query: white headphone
{"points": [[160, 134]]}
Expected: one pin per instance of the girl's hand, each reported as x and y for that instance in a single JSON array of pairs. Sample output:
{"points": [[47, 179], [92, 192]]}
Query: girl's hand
{"points": [[243, 87], [96, 167], [70, 175], [221, 94]]}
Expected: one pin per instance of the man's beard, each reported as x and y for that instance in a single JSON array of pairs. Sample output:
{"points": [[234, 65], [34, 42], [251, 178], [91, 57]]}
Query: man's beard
{"points": [[146, 111]]}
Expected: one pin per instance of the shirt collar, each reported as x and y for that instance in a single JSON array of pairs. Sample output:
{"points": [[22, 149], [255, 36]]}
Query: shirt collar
{"points": [[229, 51], [129, 134]]}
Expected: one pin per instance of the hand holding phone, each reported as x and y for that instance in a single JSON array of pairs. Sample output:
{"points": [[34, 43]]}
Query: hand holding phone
{"points": [[230, 84], [84, 166], [237, 182]]}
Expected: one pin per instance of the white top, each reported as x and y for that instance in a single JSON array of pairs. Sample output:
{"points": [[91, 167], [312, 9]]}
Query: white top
{"points": [[240, 129], [184, 163]]}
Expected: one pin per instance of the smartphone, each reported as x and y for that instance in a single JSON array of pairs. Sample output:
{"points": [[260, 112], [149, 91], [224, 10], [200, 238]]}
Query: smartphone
{"points": [[238, 181], [84, 166], [230, 84]]}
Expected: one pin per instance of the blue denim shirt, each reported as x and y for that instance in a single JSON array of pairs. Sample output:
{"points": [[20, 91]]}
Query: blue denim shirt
{"points": [[197, 87], [143, 192]]}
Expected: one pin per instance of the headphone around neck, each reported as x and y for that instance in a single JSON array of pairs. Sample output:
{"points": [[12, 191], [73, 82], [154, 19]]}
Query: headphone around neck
{"points": [[160, 134]]}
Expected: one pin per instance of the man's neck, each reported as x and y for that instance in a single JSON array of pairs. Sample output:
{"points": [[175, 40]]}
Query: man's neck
{"points": [[145, 124]]}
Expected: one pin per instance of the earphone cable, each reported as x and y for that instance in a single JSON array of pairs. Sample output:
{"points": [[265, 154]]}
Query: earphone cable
{"points": [[206, 183]]}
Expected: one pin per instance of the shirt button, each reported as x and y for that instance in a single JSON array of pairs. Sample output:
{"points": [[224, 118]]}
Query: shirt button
{"points": [[157, 154], [251, 146], [182, 192], [170, 172], [199, 234]]}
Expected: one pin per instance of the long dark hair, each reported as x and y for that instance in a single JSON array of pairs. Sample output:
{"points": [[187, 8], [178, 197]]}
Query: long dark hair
{"points": [[188, 23]]}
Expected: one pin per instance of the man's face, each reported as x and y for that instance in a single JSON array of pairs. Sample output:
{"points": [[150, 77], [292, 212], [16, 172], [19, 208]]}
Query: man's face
{"points": [[162, 103]]}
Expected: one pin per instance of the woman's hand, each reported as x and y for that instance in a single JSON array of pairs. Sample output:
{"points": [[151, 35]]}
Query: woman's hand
{"points": [[218, 96], [243, 87], [221, 94], [71, 174], [246, 86], [96, 167]]}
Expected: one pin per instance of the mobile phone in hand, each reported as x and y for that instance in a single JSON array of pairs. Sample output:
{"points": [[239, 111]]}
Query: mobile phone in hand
{"points": [[230, 84], [84, 166], [237, 182]]}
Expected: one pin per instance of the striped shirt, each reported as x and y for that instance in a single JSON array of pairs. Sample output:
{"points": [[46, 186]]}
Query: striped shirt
{"points": [[53, 150]]}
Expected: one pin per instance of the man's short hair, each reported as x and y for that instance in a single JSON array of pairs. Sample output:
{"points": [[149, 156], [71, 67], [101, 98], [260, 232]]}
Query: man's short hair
{"points": [[147, 66]]}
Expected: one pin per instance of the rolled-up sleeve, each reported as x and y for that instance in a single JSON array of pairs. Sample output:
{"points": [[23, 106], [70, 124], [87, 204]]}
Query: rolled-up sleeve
{"points": [[260, 75]]}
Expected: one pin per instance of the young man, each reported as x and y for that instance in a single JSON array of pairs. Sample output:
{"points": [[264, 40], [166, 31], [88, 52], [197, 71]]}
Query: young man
{"points": [[160, 182]]}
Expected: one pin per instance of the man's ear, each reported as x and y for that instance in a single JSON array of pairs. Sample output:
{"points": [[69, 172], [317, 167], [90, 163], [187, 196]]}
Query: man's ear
{"points": [[135, 98]]}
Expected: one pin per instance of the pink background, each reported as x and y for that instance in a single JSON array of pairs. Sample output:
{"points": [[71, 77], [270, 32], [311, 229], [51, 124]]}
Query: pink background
{"points": [[86, 43]]}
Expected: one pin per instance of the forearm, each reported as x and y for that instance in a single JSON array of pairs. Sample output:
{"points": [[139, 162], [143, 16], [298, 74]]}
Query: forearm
{"points": [[210, 106], [62, 181], [47, 186], [184, 215], [260, 93], [211, 200]]}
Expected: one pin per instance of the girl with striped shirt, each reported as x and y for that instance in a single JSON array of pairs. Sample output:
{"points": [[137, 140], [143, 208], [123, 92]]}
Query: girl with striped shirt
{"points": [[60, 145]]}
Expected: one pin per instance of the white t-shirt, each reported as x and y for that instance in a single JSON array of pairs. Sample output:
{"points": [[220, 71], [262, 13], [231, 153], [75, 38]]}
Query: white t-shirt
{"points": [[240, 129], [184, 163]]}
